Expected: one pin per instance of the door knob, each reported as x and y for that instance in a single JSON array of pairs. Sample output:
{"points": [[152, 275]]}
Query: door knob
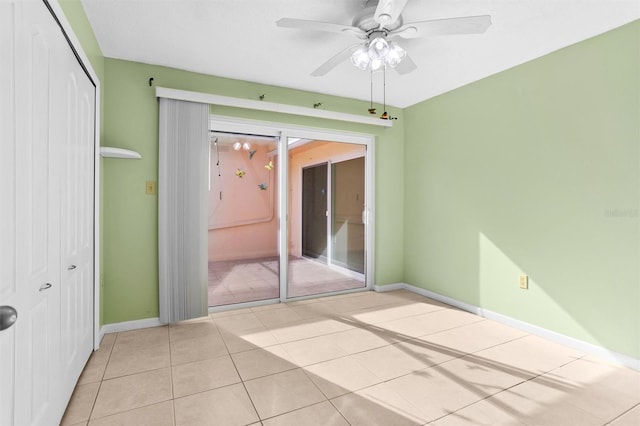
{"points": [[8, 316]]}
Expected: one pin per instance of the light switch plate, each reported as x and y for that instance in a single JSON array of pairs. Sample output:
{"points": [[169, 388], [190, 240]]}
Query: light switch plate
{"points": [[151, 187]]}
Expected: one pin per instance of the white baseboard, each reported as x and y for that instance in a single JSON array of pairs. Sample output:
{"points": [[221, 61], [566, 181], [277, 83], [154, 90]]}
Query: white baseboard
{"points": [[130, 325], [97, 342], [588, 348], [390, 287]]}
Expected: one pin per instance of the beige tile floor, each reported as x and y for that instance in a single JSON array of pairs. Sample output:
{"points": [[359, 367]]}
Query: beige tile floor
{"points": [[257, 279], [365, 358]]}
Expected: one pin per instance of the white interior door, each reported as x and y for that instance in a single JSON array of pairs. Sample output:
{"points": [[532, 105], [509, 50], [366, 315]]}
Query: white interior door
{"points": [[36, 294], [74, 119], [45, 115], [9, 295]]}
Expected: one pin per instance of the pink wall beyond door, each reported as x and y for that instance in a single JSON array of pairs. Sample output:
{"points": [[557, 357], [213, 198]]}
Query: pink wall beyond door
{"points": [[242, 199]]}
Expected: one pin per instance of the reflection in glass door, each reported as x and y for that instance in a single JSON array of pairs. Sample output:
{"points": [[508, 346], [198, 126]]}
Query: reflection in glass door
{"points": [[314, 212], [347, 213], [326, 228]]}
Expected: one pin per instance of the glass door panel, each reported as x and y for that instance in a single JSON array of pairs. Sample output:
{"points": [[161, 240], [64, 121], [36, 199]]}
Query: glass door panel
{"points": [[326, 231], [243, 219]]}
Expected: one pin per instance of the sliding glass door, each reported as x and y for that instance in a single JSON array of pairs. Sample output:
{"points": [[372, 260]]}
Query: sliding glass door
{"points": [[288, 216]]}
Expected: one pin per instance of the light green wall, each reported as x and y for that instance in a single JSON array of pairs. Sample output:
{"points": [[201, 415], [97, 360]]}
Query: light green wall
{"points": [[74, 11], [535, 171], [130, 242]]}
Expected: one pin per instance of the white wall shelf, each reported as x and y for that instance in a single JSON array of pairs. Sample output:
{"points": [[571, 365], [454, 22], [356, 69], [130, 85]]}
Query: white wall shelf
{"points": [[111, 152]]}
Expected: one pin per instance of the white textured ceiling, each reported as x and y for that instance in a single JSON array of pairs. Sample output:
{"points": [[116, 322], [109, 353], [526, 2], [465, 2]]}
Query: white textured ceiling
{"points": [[239, 39]]}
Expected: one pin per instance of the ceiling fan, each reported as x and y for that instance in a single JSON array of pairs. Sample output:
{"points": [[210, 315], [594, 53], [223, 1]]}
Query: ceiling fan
{"points": [[378, 26]]}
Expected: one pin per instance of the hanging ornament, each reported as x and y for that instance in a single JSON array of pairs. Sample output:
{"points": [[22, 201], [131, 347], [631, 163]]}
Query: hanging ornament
{"points": [[240, 173], [215, 143], [263, 186], [269, 166]]}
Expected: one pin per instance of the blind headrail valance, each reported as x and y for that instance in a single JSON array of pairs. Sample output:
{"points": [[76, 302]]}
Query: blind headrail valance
{"points": [[206, 98]]}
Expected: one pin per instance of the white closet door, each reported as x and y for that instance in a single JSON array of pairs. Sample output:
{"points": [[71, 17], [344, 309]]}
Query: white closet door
{"points": [[37, 218], [34, 169], [75, 114], [10, 297]]}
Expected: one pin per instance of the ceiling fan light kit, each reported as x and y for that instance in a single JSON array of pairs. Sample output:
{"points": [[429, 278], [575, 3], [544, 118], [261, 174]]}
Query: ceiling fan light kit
{"points": [[378, 52], [395, 55], [378, 48], [378, 24]]}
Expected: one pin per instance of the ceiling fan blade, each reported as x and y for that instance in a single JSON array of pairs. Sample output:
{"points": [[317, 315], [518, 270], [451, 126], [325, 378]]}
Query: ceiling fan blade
{"points": [[406, 66], [387, 11], [304, 24], [448, 26], [335, 60]]}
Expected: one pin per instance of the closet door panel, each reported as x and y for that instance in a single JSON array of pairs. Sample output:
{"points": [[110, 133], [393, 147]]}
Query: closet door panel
{"points": [[9, 295], [37, 245], [70, 224], [46, 187], [77, 114]]}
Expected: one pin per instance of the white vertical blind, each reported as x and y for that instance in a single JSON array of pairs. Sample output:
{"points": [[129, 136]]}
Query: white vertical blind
{"points": [[182, 209]]}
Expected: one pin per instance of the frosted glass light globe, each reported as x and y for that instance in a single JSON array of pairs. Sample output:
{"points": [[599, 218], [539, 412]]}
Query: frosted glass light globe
{"points": [[378, 48], [360, 58]]}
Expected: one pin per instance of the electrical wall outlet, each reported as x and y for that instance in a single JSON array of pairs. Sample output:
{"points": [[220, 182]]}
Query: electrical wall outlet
{"points": [[524, 282]]}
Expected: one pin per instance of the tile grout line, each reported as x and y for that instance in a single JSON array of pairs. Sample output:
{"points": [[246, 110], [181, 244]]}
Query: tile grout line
{"points": [[302, 368], [623, 414], [237, 371], [241, 381], [132, 374], [95, 399], [173, 399], [512, 386], [338, 411]]}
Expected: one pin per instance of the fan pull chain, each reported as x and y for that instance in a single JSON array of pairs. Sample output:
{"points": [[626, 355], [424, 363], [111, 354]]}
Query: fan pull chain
{"points": [[384, 115], [372, 110]]}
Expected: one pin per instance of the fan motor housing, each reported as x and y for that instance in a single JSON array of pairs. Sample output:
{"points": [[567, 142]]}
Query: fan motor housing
{"points": [[366, 22]]}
